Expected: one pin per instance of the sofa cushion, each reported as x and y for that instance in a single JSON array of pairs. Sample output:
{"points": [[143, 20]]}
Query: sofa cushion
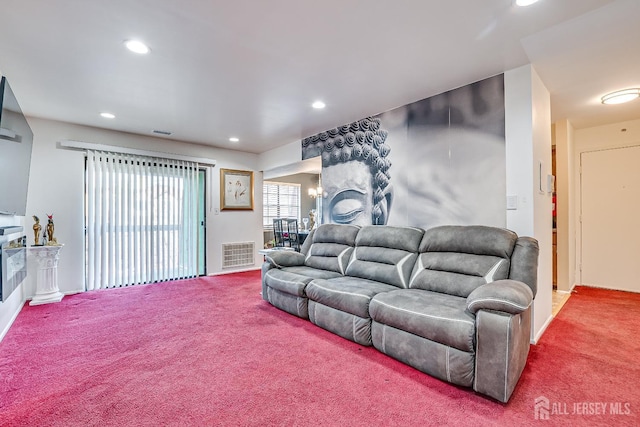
{"points": [[385, 254], [404, 238], [524, 263], [314, 273], [282, 258], [287, 282], [456, 260], [348, 294], [331, 247], [469, 239], [508, 296], [437, 317]]}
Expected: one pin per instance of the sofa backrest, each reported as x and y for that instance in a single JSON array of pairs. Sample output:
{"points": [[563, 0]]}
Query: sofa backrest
{"points": [[385, 254], [524, 262], [330, 247], [456, 260]]}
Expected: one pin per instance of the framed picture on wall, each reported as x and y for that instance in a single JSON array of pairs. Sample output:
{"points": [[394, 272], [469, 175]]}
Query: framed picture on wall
{"points": [[236, 189]]}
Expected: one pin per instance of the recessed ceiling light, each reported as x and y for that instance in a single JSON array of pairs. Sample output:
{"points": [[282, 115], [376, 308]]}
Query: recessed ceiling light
{"points": [[108, 115], [621, 96], [137, 46], [234, 139], [318, 105], [525, 2]]}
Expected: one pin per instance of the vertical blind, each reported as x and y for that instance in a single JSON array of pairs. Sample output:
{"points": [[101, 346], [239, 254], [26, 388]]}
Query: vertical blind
{"points": [[141, 219], [280, 200]]}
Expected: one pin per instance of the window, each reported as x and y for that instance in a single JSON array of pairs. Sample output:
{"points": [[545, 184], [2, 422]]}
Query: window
{"points": [[281, 200]]}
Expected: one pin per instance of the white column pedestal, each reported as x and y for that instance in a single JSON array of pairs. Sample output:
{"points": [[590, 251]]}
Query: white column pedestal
{"points": [[47, 283]]}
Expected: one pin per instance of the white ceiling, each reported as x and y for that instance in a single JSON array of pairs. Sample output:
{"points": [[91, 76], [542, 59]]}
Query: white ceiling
{"points": [[251, 69]]}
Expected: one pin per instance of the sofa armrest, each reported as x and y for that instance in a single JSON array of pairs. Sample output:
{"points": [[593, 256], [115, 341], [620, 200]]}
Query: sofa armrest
{"points": [[281, 259], [508, 296]]}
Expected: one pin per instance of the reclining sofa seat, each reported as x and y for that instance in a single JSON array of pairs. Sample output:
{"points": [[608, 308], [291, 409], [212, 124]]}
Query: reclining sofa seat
{"points": [[324, 255], [453, 302], [462, 320], [381, 261]]}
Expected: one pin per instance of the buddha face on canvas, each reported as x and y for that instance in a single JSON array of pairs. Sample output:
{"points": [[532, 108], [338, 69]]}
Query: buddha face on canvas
{"points": [[348, 195], [355, 173]]}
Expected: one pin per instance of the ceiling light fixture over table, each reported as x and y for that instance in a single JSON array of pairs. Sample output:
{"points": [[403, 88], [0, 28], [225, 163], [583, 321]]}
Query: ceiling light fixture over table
{"points": [[318, 105]]}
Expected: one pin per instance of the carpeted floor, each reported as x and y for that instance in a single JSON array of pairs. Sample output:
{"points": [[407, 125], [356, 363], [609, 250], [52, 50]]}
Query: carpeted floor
{"points": [[210, 351]]}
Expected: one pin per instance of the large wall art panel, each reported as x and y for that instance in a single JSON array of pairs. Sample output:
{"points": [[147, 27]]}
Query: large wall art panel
{"points": [[437, 161]]}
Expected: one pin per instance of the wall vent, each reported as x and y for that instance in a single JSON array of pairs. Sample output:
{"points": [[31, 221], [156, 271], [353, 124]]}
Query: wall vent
{"points": [[238, 254]]}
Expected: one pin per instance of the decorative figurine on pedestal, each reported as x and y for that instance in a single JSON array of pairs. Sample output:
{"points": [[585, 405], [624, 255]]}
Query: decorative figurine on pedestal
{"points": [[37, 228], [50, 228], [312, 219]]}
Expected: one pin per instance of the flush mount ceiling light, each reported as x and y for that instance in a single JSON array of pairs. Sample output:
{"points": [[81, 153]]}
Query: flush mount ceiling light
{"points": [[525, 2], [621, 96], [234, 139], [137, 46], [107, 115], [318, 105]]}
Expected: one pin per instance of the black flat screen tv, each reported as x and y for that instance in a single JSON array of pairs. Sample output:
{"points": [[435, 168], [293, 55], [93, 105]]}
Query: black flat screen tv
{"points": [[16, 140]]}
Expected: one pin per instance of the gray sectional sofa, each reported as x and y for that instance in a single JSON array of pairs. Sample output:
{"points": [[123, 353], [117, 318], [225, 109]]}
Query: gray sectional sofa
{"points": [[452, 301]]}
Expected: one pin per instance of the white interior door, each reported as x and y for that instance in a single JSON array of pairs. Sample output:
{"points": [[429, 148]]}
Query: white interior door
{"points": [[610, 199]]}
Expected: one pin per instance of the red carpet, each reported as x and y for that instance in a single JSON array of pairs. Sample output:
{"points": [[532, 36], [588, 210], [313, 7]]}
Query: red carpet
{"points": [[210, 351]]}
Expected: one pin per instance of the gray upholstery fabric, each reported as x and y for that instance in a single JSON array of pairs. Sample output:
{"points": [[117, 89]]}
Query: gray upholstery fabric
{"points": [[404, 238], [456, 273], [285, 258], [508, 296], [313, 273], [457, 259], [346, 325], [348, 294], [336, 233], [287, 282], [470, 239], [393, 274], [266, 267], [330, 247], [292, 304], [438, 360], [501, 352], [304, 249], [438, 317], [329, 256], [524, 263], [385, 254]]}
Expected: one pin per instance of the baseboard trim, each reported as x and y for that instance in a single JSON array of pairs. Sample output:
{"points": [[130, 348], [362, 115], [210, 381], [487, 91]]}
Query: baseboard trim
{"points": [[535, 339], [13, 318], [221, 273]]}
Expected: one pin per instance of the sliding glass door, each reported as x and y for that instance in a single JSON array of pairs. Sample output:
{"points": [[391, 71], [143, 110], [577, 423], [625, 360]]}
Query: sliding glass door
{"points": [[143, 220]]}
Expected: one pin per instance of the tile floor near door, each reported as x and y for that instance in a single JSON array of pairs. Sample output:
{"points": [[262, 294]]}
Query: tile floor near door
{"points": [[558, 300]]}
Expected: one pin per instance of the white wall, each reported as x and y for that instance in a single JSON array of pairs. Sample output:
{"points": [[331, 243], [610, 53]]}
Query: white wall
{"points": [[528, 134], [57, 186], [591, 139], [281, 159]]}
